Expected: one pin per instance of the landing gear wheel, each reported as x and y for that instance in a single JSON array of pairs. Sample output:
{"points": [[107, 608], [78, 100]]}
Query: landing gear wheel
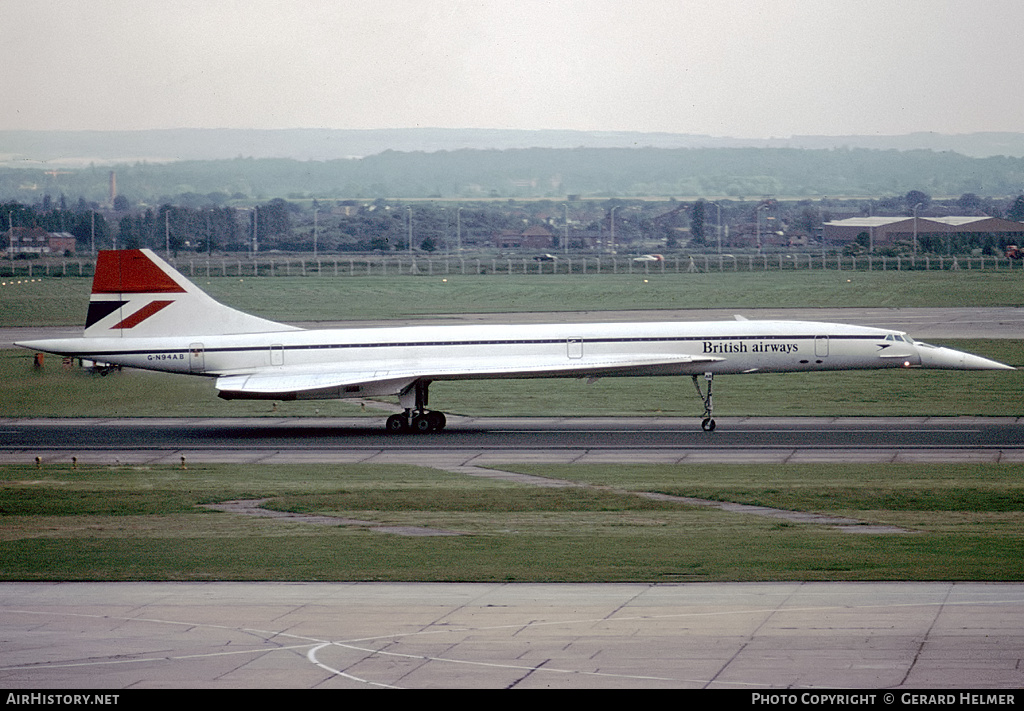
{"points": [[437, 420], [421, 423], [708, 424], [428, 422], [397, 423], [416, 418]]}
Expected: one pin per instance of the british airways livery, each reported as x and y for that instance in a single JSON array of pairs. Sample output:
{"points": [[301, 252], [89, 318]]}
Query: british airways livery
{"points": [[145, 314]]}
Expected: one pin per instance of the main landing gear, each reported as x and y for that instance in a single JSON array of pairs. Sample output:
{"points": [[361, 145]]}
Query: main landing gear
{"points": [[413, 421], [416, 417], [708, 423]]}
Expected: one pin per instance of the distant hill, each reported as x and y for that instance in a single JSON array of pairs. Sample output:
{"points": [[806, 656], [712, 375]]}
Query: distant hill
{"points": [[974, 145], [532, 173], [24, 149]]}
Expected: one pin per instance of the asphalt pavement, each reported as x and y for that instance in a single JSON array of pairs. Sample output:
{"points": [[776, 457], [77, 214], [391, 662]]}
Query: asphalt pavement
{"points": [[486, 441], [824, 644]]}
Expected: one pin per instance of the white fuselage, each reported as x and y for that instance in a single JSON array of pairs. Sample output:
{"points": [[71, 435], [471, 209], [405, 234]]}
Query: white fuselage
{"points": [[717, 347]]}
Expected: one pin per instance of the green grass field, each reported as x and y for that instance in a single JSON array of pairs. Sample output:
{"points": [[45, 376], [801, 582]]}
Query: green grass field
{"points": [[63, 301], [142, 523]]}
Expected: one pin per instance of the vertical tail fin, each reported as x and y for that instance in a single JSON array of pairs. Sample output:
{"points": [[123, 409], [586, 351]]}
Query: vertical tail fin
{"points": [[136, 294]]}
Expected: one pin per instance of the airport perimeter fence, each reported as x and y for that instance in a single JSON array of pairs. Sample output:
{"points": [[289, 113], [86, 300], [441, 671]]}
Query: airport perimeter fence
{"points": [[338, 266]]}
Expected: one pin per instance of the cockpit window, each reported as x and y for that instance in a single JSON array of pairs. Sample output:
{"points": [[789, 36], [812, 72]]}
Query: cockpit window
{"points": [[900, 338]]}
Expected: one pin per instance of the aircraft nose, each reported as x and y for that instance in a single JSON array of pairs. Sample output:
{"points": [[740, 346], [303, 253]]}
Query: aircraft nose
{"points": [[940, 357]]}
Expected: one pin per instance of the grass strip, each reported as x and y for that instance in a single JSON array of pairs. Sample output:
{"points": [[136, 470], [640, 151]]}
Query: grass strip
{"points": [[63, 301], [145, 523]]}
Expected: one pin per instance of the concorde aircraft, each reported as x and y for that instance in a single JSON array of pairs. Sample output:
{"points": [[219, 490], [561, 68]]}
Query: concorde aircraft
{"points": [[145, 314]]}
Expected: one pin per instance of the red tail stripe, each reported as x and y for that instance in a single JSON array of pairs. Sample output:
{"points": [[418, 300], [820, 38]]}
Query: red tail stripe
{"points": [[131, 272], [142, 314]]}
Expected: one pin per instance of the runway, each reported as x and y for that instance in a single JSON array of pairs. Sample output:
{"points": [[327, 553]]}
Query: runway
{"points": [[483, 441], [810, 639]]}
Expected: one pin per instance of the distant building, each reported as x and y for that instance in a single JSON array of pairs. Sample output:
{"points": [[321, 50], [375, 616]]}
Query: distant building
{"points": [[36, 240], [530, 238], [885, 231]]}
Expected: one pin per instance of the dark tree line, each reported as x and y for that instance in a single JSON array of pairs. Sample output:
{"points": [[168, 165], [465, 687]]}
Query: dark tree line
{"points": [[426, 226], [176, 228], [169, 227]]}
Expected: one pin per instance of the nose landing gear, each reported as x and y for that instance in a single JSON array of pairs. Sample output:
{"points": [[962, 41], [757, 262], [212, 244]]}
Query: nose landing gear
{"points": [[708, 423]]}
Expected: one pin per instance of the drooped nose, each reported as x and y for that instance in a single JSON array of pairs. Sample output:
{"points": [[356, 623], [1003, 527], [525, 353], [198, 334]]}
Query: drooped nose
{"points": [[940, 357]]}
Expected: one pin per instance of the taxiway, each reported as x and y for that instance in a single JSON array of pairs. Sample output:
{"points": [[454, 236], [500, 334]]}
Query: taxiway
{"points": [[477, 441], [806, 638]]}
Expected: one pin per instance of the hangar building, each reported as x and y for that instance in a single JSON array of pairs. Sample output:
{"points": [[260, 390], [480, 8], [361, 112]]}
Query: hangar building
{"points": [[884, 231]]}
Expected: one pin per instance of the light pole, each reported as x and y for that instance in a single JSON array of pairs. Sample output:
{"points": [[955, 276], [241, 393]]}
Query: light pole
{"points": [[409, 209], [821, 222], [759, 208], [612, 221], [458, 230], [915, 227], [719, 230], [565, 241]]}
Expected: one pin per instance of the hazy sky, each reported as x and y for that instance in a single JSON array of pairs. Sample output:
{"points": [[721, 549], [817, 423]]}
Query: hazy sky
{"points": [[742, 68]]}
